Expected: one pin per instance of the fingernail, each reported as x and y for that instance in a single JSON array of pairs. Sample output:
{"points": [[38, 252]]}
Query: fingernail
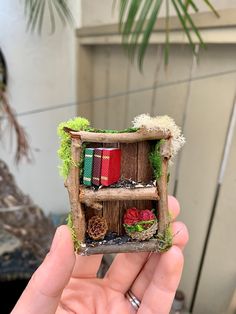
{"points": [[55, 240]]}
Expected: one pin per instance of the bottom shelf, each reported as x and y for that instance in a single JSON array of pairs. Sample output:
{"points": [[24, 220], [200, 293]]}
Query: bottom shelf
{"points": [[129, 247]]}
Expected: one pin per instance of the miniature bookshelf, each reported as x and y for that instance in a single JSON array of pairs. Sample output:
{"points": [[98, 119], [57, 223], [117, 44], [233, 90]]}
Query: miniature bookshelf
{"points": [[111, 202]]}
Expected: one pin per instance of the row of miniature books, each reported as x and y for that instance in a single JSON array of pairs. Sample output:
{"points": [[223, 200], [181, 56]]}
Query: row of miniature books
{"points": [[101, 166]]}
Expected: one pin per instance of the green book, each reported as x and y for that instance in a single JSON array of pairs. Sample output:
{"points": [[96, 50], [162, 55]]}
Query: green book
{"points": [[88, 166]]}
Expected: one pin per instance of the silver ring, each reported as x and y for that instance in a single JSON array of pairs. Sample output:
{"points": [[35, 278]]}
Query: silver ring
{"points": [[133, 300]]}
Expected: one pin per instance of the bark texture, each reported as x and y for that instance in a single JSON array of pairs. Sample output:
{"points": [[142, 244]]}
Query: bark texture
{"points": [[25, 232]]}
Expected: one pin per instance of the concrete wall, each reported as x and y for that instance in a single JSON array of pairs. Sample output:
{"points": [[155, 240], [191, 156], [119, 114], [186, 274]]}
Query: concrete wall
{"points": [[41, 74], [100, 12]]}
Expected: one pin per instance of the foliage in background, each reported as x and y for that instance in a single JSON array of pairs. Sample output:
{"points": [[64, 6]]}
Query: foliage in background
{"points": [[137, 19], [35, 11], [64, 152]]}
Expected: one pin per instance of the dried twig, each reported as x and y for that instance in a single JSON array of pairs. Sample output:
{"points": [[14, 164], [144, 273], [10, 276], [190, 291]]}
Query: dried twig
{"points": [[23, 148]]}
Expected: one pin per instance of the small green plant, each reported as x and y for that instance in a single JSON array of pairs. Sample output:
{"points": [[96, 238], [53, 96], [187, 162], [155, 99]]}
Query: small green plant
{"points": [[64, 152], [73, 234], [156, 160]]}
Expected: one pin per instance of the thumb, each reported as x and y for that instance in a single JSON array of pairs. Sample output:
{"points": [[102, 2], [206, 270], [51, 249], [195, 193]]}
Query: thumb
{"points": [[44, 290]]}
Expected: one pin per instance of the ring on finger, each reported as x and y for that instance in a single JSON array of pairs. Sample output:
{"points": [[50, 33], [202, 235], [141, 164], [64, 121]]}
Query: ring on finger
{"points": [[133, 300]]}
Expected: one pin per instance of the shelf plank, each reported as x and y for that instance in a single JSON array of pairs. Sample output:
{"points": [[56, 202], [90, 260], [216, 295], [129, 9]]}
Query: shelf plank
{"points": [[132, 137], [116, 194], [131, 247]]}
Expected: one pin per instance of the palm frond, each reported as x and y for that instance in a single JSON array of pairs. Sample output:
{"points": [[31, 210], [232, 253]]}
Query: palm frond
{"points": [[123, 7], [189, 19], [138, 17], [184, 25], [167, 42], [189, 3], [149, 27], [139, 26], [127, 27], [207, 2], [35, 13]]}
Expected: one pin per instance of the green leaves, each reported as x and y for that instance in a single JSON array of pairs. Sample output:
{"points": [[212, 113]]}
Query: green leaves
{"points": [[64, 152], [137, 20], [139, 226], [35, 12]]}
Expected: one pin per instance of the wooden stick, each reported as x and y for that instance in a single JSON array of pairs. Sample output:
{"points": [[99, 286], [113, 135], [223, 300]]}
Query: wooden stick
{"points": [[145, 246], [73, 190], [116, 194], [92, 204], [132, 137], [162, 189]]}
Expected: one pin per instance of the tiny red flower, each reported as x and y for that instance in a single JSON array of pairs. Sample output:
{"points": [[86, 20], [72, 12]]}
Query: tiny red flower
{"points": [[131, 216], [145, 215]]}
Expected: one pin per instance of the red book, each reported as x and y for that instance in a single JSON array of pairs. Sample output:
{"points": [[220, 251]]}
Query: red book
{"points": [[111, 160], [97, 163]]}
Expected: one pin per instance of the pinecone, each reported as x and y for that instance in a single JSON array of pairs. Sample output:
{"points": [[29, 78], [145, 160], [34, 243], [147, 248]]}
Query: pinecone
{"points": [[97, 227]]}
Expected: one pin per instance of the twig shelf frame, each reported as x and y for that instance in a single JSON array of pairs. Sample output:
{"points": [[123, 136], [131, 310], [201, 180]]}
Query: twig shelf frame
{"points": [[82, 198]]}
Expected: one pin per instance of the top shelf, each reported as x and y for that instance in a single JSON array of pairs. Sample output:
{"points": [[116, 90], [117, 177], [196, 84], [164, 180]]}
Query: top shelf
{"points": [[132, 137]]}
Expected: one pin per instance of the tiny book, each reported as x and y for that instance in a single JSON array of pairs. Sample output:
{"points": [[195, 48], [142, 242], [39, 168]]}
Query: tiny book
{"points": [[88, 166], [97, 163], [111, 160]]}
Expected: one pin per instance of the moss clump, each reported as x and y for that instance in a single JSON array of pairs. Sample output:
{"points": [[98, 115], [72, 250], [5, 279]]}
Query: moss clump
{"points": [[128, 130], [64, 152], [165, 240], [156, 160], [73, 234]]}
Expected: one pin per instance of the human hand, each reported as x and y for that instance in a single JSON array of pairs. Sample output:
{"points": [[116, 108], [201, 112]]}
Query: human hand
{"points": [[67, 283]]}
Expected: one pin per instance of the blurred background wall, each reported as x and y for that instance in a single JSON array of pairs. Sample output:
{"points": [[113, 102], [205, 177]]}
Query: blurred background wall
{"points": [[42, 71]]}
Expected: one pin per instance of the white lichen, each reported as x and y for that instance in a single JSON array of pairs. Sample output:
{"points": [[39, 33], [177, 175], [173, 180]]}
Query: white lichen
{"points": [[163, 123]]}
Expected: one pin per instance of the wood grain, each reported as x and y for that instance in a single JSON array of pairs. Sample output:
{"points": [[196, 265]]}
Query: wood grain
{"points": [[111, 209], [131, 247], [89, 196], [129, 170], [144, 169]]}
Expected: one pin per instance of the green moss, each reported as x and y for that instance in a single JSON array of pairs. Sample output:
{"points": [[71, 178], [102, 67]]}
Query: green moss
{"points": [[73, 234], [156, 160], [128, 130], [64, 151], [165, 240]]}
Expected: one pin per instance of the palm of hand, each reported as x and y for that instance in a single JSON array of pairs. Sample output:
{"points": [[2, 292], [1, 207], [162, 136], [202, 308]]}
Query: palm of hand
{"points": [[92, 296], [66, 283], [153, 278]]}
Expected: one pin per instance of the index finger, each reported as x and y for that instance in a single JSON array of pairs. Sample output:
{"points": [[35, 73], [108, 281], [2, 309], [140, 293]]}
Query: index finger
{"points": [[160, 293], [121, 278]]}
